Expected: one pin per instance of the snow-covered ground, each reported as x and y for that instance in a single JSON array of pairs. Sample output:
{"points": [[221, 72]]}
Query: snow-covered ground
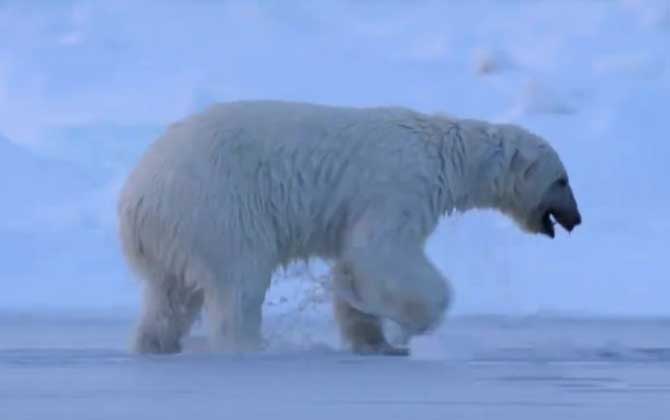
{"points": [[86, 86]]}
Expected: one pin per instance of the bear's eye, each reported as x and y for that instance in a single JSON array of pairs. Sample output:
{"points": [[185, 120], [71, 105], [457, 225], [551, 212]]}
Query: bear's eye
{"points": [[563, 182]]}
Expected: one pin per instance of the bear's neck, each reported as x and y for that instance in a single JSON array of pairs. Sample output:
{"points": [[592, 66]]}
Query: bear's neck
{"points": [[473, 166]]}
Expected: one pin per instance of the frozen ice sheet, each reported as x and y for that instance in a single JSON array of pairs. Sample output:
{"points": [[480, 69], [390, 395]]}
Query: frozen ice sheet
{"points": [[472, 368]]}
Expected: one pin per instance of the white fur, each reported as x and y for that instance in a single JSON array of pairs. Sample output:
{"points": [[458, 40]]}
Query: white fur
{"points": [[226, 196]]}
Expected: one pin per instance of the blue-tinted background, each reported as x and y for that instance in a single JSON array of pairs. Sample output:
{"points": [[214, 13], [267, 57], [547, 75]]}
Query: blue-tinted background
{"points": [[86, 86]]}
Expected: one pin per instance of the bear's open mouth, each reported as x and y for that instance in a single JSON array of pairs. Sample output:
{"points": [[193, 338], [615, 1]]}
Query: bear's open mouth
{"points": [[548, 224]]}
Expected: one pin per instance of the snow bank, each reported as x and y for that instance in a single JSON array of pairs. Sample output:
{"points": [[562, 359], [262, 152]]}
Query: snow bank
{"points": [[93, 84]]}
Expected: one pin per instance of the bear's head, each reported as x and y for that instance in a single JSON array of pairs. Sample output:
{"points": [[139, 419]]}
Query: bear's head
{"points": [[538, 193]]}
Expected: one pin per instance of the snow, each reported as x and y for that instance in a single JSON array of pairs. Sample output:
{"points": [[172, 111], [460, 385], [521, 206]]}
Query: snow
{"points": [[539, 329], [90, 86], [85, 87]]}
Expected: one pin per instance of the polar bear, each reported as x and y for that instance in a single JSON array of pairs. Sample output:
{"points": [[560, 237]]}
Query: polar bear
{"points": [[226, 196]]}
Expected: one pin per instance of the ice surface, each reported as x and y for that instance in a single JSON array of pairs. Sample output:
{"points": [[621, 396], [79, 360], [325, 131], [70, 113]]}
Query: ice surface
{"points": [[474, 368]]}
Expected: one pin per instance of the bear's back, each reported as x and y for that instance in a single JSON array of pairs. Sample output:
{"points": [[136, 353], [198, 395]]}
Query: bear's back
{"points": [[299, 168]]}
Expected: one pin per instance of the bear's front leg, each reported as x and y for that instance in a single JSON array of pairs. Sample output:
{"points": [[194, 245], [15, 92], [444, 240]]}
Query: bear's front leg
{"points": [[361, 331], [391, 277]]}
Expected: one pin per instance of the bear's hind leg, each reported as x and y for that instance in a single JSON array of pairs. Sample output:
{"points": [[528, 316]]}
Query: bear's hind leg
{"points": [[169, 309], [234, 304]]}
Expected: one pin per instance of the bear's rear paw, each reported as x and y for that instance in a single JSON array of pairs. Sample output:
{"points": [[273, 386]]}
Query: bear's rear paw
{"points": [[153, 344]]}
